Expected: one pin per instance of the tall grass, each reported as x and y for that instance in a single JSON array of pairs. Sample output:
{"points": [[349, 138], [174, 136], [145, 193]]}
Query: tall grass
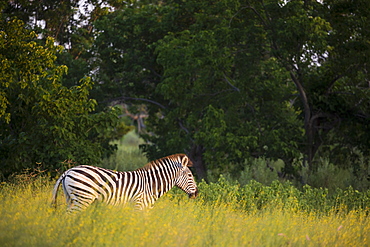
{"points": [[28, 220], [226, 213]]}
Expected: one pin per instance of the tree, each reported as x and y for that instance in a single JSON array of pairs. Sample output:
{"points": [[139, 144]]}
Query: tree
{"points": [[204, 82], [324, 47], [42, 122], [229, 80], [233, 101], [68, 22]]}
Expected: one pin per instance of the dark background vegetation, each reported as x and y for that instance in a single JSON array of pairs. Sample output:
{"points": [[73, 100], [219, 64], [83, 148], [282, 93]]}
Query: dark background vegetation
{"points": [[240, 86]]}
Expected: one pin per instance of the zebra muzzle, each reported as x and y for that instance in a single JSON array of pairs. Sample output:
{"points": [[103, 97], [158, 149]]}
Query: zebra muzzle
{"points": [[193, 195]]}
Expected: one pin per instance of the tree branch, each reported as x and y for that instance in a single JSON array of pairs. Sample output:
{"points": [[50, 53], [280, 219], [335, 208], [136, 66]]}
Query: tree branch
{"points": [[302, 94], [231, 85], [182, 126], [123, 98]]}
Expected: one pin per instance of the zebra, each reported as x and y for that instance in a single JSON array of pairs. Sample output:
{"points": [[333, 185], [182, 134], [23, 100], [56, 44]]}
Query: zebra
{"points": [[82, 185]]}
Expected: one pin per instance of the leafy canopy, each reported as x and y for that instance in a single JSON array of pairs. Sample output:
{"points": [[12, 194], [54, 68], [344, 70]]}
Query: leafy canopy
{"points": [[42, 122], [238, 79]]}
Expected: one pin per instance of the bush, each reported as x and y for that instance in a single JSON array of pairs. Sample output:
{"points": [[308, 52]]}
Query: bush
{"points": [[328, 175], [332, 177], [282, 195]]}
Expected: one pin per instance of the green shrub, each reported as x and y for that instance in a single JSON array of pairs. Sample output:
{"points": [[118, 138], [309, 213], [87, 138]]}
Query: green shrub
{"points": [[328, 175], [353, 172], [281, 195], [262, 170]]}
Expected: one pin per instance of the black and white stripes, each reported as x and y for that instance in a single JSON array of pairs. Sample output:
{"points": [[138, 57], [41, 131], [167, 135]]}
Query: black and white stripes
{"points": [[83, 185]]}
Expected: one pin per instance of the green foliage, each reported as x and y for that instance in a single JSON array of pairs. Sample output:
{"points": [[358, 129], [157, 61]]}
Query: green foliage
{"points": [[262, 170], [239, 70], [128, 156], [335, 177], [282, 195], [328, 175], [221, 106], [224, 81], [42, 122], [124, 48]]}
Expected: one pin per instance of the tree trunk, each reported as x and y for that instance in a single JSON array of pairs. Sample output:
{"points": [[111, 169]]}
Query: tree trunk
{"points": [[196, 155], [308, 121]]}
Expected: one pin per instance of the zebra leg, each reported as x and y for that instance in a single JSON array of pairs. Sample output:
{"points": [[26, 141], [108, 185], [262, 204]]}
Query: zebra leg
{"points": [[73, 207], [143, 203], [78, 202], [139, 205], [138, 201]]}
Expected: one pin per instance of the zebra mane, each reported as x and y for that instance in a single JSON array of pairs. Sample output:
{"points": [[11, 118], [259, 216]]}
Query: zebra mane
{"points": [[157, 163]]}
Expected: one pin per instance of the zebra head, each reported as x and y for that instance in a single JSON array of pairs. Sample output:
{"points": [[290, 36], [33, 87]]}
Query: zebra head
{"points": [[185, 179]]}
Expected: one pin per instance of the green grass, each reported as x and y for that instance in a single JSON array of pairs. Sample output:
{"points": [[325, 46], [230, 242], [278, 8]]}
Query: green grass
{"points": [[28, 220]]}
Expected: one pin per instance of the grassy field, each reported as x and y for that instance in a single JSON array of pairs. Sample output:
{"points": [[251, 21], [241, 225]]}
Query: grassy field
{"points": [[28, 220], [215, 218]]}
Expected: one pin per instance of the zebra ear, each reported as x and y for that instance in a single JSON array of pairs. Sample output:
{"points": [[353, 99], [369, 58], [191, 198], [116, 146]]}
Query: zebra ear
{"points": [[186, 161]]}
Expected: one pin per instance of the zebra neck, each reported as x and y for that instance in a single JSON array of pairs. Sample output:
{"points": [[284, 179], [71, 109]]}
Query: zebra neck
{"points": [[159, 181]]}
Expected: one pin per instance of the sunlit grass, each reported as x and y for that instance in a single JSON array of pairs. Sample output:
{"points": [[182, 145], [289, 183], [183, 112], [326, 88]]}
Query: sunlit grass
{"points": [[28, 220], [225, 214]]}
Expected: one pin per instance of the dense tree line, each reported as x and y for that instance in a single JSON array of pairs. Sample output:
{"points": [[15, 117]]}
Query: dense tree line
{"points": [[224, 81], [43, 123]]}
